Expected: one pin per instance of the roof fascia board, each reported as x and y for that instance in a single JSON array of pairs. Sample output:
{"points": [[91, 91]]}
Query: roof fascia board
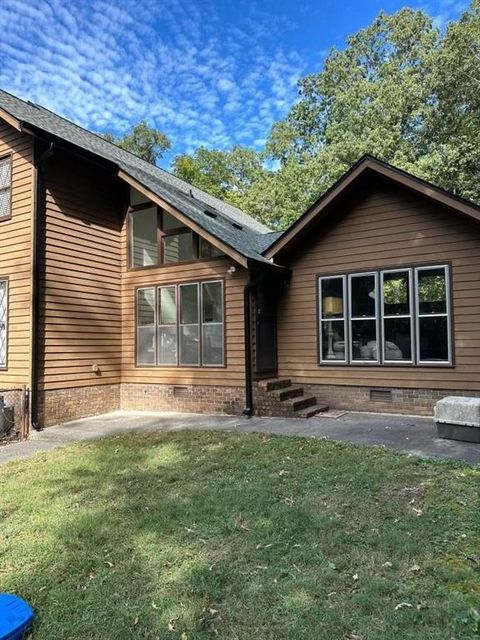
{"points": [[13, 122], [123, 175], [396, 175], [430, 191]]}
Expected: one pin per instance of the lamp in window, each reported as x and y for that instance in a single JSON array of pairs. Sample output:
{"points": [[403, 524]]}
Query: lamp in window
{"points": [[331, 307]]}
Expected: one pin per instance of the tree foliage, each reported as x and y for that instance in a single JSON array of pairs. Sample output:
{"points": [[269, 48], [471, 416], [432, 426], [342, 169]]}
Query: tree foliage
{"points": [[144, 141], [400, 90], [226, 174]]}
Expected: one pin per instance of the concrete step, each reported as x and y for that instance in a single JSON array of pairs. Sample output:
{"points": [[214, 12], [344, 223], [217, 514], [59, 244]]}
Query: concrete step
{"points": [[309, 412], [302, 402], [288, 392], [274, 383]]}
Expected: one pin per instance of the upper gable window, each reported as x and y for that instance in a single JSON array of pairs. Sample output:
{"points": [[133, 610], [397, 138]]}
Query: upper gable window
{"points": [[156, 238], [5, 186]]}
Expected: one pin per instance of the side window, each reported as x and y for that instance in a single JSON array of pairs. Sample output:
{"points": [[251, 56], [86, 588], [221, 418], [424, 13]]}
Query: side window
{"points": [[181, 325], [433, 314], [3, 322], [146, 347], [5, 186]]}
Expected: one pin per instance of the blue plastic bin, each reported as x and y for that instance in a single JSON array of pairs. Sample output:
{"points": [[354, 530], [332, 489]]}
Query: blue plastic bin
{"points": [[16, 616]]}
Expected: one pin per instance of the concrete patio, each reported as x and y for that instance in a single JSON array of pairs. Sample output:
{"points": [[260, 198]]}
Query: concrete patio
{"points": [[413, 435]]}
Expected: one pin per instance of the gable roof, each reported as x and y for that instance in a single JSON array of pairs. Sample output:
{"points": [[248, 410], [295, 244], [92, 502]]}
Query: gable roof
{"points": [[229, 224], [368, 165]]}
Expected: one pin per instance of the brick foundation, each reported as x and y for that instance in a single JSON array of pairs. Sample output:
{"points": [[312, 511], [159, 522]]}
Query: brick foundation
{"points": [[353, 398], [188, 398], [62, 405]]}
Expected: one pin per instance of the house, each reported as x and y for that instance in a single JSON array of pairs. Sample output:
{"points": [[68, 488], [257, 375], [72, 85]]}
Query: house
{"points": [[122, 286]]}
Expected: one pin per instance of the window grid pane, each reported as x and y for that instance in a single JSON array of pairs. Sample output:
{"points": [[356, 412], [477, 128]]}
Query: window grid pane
{"points": [[167, 335], [3, 322], [5, 185], [5, 172], [363, 309], [143, 237], [332, 297], [178, 247], [212, 323], [146, 347], [189, 329], [397, 318], [432, 286]]}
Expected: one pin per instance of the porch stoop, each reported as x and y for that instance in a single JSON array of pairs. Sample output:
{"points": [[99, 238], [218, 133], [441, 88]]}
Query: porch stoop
{"points": [[282, 398]]}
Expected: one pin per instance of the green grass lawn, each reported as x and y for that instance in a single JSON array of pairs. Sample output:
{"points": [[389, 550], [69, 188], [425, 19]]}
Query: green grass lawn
{"points": [[208, 535]]}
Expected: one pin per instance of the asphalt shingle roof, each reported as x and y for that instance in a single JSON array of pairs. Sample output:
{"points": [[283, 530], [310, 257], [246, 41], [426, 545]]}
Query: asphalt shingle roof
{"points": [[222, 221]]}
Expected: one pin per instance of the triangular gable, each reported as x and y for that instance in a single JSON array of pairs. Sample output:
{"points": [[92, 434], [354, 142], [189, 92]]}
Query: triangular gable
{"points": [[366, 166]]}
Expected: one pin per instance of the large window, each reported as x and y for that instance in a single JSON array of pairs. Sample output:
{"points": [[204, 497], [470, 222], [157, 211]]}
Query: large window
{"points": [[392, 316], [157, 238], [5, 186], [181, 325], [3, 322]]}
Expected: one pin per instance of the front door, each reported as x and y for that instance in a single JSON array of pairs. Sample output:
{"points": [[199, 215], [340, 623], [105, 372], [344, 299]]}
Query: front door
{"points": [[266, 331]]}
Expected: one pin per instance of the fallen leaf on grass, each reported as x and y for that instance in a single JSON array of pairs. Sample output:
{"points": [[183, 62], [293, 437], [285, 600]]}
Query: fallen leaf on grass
{"points": [[387, 565], [355, 576], [415, 568], [241, 522], [172, 623]]}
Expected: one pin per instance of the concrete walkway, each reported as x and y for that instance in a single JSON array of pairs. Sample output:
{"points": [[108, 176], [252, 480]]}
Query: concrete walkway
{"points": [[413, 435]]}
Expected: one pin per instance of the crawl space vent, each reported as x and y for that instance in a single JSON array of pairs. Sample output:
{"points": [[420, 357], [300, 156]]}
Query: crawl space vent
{"points": [[380, 395], [180, 392]]}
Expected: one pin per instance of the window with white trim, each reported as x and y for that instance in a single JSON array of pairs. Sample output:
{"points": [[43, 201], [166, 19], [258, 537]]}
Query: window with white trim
{"points": [[3, 322], [5, 186], [392, 316], [181, 325]]}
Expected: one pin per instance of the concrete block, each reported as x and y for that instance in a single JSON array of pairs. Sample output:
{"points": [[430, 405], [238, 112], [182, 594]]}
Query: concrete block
{"points": [[459, 410]]}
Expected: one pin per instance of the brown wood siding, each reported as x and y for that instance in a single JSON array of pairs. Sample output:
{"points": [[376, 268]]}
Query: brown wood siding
{"points": [[16, 255], [233, 373], [387, 227], [81, 284]]}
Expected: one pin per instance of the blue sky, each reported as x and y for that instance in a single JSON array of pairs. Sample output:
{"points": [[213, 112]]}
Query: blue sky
{"points": [[212, 73]]}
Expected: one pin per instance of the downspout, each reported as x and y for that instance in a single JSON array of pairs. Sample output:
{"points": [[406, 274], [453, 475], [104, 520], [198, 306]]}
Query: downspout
{"points": [[37, 239], [248, 411]]}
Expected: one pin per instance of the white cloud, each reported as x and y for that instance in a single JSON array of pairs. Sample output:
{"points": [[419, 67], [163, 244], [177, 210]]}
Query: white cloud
{"points": [[106, 64]]}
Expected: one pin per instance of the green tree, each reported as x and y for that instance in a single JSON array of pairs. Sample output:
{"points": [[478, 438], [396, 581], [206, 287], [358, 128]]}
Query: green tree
{"points": [[225, 174], [453, 127], [399, 90], [146, 142], [374, 96]]}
